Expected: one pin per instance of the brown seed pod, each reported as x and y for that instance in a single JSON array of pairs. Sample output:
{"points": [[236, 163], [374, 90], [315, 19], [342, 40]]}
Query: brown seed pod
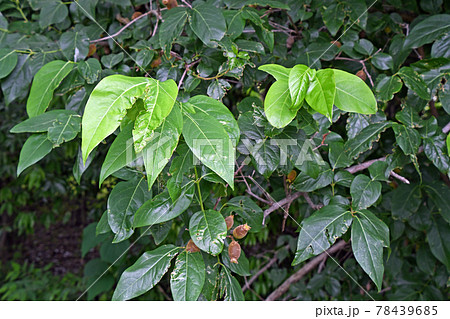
{"points": [[135, 15], [240, 231], [229, 221], [191, 247], [361, 74], [92, 49], [170, 3], [336, 43], [291, 176], [234, 251]]}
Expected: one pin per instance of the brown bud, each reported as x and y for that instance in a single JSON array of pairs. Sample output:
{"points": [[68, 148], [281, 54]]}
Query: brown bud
{"points": [[234, 251], [291, 176], [229, 221], [136, 15], [240, 231], [191, 247], [361, 74], [336, 43], [92, 49], [156, 62], [170, 3], [290, 42]]}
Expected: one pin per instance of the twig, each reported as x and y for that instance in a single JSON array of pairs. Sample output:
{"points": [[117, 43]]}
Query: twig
{"points": [[260, 272], [400, 178], [257, 197], [124, 27], [187, 3], [280, 204], [360, 167], [277, 293], [310, 202], [446, 128]]}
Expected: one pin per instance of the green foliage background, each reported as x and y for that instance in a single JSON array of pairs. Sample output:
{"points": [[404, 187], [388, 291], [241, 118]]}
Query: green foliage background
{"points": [[54, 53]]}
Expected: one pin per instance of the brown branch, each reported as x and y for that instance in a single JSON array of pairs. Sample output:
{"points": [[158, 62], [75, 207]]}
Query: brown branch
{"points": [[277, 293], [310, 202], [280, 204], [124, 27]]}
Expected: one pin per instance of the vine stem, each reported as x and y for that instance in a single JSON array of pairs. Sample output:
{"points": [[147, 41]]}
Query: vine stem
{"points": [[199, 190]]}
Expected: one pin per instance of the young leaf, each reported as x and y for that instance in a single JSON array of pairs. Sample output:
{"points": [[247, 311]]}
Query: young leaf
{"points": [[145, 273], [208, 23], [188, 276], [34, 149], [353, 95], [320, 230], [123, 202], [160, 146], [369, 236], [210, 143], [159, 98], [45, 82], [208, 230], [161, 208], [321, 92], [364, 191], [280, 73], [106, 108], [120, 153], [298, 83], [278, 105]]}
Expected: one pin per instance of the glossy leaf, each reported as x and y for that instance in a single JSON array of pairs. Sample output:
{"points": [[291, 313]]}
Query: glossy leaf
{"points": [[181, 165], [64, 129], [161, 208], [320, 230], [34, 149], [405, 201], [387, 86], [434, 148], [123, 202], [233, 291], [299, 77], [188, 277], [365, 192], [321, 92], [248, 210], [145, 273], [107, 106], [363, 141], [278, 105], [210, 143], [407, 138], [174, 21], [369, 236], [74, 45], [242, 268], [279, 72], [414, 82], [352, 94], [428, 30], [90, 70], [46, 80], [208, 231], [208, 23]]}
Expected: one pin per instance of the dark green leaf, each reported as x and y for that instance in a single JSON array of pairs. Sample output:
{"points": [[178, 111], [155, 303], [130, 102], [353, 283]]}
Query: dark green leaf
{"points": [[145, 273], [208, 23], [34, 149], [74, 45], [428, 30], [8, 61], [208, 230], [364, 191], [363, 141], [405, 201], [188, 276]]}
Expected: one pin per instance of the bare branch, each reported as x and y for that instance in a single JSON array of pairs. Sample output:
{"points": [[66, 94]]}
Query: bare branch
{"points": [[277, 293], [446, 128]]}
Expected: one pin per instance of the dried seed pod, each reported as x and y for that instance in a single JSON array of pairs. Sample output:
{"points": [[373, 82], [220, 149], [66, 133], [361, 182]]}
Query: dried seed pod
{"points": [[229, 221], [92, 49], [234, 251], [291, 176], [191, 247], [240, 231], [336, 43], [135, 15], [361, 74], [170, 4]]}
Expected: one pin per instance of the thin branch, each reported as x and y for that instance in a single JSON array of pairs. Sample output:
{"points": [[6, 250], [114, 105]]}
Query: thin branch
{"points": [[280, 204], [446, 128], [124, 27], [399, 177], [310, 202], [360, 167], [277, 293]]}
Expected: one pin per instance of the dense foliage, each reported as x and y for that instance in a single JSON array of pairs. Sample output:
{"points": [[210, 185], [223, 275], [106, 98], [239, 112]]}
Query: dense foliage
{"points": [[233, 141]]}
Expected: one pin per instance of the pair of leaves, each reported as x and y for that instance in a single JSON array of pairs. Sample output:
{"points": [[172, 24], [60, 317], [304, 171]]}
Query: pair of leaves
{"points": [[321, 90]]}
